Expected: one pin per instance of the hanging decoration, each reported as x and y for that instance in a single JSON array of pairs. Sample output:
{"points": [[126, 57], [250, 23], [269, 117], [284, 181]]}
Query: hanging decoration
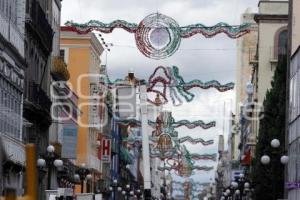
{"points": [[194, 124], [158, 36], [181, 162], [197, 184], [195, 141], [171, 80], [196, 156], [183, 173], [174, 124], [95, 25]]}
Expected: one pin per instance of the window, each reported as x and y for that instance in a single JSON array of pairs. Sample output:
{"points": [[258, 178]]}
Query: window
{"points": [[62, 54], [2, 5], [280, 42]]}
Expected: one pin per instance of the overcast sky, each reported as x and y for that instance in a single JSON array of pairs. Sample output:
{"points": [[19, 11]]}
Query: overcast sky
{"points": [[197, 57]]}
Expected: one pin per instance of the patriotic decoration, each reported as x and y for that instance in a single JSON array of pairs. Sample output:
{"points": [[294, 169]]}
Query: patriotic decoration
{"points": [[172, 80], [159, 36]]}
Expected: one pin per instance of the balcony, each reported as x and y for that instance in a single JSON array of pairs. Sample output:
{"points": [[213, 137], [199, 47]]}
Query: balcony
{"points": [[15, 149], [38, 96], [37, 104], [59, 69], [39, 26], [12, 34]]}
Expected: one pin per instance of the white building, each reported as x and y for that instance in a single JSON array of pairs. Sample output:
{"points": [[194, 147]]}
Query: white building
{"points": [[246, 57], [12, 65], [272, 21]]}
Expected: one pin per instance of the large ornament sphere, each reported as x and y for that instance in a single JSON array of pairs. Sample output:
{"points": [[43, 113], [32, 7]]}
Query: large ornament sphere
{"points": [[158, 36]]}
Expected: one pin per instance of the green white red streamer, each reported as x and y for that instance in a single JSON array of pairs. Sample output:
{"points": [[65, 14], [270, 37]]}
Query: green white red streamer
{"points": [[159, 36], [200, 168], [195, 141], [173, 81]]}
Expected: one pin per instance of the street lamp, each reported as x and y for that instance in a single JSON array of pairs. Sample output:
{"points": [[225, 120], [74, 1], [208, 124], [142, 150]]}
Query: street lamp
{"points": [[127, 192], [138, 194], [275, 143], [114, 186], [83, 173], [50, 161], [237, 189], [265, 159]]}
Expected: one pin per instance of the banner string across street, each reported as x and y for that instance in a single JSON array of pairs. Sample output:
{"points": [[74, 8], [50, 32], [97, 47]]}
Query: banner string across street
{"points": [[159, 36]]}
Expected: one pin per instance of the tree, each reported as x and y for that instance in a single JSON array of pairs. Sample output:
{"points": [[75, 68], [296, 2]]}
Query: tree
{"points": [[268, 179]]}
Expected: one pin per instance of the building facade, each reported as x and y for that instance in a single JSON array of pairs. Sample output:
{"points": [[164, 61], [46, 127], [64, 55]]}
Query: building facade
{"points": [[246, 52], [42, 19], [82, 56], [272, 21], [64, 110], [12, 67], [293, 139], [264, 44]]}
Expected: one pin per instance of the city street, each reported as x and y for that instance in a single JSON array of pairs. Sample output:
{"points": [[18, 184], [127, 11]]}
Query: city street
{"points": [[149, 99]]}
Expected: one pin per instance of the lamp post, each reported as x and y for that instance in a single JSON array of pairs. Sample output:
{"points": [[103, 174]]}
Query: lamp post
{"points": [[49, 161], [127, 192], [266, 159], [82, 174], [239, 186], [238, 189], [114, 186], [139, 194]]}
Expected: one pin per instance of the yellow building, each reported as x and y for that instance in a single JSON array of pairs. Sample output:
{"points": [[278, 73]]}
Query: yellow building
{"points": [[82, 55]]}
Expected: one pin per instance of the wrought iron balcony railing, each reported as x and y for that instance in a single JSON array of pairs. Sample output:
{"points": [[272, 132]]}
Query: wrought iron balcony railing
{"points": [[37, 96]]}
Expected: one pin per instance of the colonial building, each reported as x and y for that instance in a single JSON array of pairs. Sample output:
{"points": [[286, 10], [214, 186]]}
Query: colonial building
{"points": [[293, 139], [258, 58], [272, 21], [42, 27], [246, 51], [82, 53], [64, 111], [12, 66]]}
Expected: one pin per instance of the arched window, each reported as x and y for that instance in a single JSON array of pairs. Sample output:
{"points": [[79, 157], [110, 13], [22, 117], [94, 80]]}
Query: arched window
{"points": [[281, 42]]}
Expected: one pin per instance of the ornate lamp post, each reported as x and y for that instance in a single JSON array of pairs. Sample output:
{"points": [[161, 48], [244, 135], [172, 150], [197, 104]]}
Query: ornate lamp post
{"points": [[139, 194], [49, 162], [266, 159], [114, 187], [127, 192], [82, 174], [237, 190]]}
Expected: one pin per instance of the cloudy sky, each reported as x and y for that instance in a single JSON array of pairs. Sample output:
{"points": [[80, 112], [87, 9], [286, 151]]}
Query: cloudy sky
{"points": [[197, 57]]}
